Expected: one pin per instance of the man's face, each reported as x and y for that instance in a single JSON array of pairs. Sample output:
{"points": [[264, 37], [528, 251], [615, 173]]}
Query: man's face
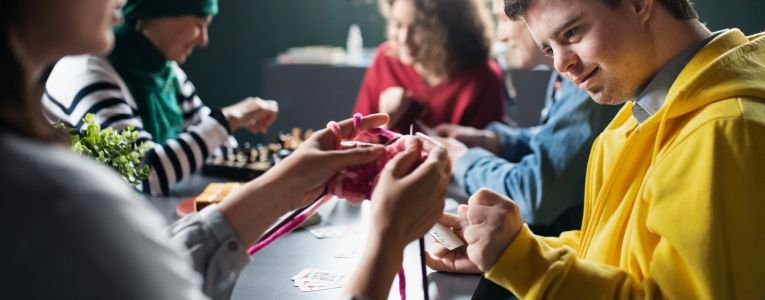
{"points": [[522, 51], [605, 51]]}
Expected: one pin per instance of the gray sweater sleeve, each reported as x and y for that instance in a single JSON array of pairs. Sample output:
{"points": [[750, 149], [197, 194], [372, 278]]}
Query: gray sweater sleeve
{"points": [[217, 254], [77, 231]]}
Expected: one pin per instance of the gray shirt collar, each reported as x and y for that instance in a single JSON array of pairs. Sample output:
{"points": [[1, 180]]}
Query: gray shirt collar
{"points": [[655, 93]]}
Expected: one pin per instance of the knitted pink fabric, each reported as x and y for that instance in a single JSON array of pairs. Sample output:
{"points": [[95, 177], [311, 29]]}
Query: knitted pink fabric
{"points": [[354, 183]]}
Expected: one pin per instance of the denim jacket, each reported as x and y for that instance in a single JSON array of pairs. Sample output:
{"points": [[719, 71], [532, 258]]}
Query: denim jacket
{"points": [[542, 168]]}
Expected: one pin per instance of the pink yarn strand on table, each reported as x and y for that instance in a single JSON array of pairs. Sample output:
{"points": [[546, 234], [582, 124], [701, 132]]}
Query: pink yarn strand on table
{"points": [[290, 226]]}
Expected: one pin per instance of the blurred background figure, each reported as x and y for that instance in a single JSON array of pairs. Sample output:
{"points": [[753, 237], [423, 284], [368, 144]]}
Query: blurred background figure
{"points": [[140, 84], [542, 168], [435, 66]]}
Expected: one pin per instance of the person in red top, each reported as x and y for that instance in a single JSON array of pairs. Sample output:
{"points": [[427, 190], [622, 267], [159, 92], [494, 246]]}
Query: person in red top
{"points": [[435, 66]]}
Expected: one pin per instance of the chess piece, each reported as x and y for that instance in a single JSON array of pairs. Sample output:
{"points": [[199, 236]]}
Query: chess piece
{"points": [[307, 134]]}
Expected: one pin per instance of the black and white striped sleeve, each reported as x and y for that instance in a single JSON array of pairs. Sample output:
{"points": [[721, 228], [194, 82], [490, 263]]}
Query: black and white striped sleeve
{"points": [[79, 85], [194, 111], [88, 84]]}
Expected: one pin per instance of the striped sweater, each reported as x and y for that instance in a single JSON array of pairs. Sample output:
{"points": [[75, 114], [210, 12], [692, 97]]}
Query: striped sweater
{"points": [[79, 85]]}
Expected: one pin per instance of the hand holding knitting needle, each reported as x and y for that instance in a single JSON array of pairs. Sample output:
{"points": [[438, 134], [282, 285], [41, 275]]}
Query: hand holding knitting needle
{"points": [[405, 205], [297, 180]]}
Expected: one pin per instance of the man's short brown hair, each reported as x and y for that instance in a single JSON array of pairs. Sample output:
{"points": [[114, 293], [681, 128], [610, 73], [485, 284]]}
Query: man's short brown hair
{"points": [[681, 9]]}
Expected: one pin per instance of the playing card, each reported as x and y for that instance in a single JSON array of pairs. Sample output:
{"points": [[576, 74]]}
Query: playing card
{"points": [[312, 286], [315, 280], [322, 276], [302, 273], [446, 236]]}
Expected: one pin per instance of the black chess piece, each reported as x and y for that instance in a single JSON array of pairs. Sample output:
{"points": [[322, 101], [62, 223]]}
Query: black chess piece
{"points": [[247, 152]]}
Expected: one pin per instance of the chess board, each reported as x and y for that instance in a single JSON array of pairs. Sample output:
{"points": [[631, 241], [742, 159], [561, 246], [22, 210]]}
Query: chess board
{"points": [[247, 162]]}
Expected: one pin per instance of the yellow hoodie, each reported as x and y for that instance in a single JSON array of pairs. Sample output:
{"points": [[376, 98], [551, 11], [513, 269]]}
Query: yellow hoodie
{"points": [[674, 207]]}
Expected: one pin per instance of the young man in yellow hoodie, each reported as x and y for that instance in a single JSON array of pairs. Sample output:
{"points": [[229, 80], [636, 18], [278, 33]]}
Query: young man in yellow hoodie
{"points": [[675, 187]]}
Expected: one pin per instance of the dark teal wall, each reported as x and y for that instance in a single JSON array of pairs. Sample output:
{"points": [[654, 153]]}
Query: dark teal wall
{"points": [[748, 15], [247, 33]]}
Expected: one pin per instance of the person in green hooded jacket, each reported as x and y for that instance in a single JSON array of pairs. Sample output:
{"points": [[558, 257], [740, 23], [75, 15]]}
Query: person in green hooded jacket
{"points": [[140, 84]]}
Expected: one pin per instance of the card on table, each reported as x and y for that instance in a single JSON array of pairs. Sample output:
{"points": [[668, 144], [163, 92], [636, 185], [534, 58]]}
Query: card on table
{"points": [[314, 280], [446, 236]]}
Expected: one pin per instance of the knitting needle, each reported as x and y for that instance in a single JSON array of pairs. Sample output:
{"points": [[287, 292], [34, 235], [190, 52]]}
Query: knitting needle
{"points": [[422, 251], [422, 269]]}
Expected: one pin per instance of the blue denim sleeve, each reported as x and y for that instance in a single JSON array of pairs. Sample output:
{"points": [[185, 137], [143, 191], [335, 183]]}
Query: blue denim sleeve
{"points": [[514, 143], [542, 168]]}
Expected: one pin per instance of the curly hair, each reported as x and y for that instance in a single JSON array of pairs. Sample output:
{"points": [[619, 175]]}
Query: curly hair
{"points": [[680, 9], [453, 35], [20, 111]]}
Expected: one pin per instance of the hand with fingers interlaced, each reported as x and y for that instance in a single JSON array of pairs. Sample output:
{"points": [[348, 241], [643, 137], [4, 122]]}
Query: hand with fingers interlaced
{"points": [[407, 201]]}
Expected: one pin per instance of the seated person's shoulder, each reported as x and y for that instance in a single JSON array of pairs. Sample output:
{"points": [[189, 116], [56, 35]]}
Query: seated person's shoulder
{"points": [[89, 66], [75, 75], [734, 109], [74, 222], [72, 73], [385, 55], [52, 173]]}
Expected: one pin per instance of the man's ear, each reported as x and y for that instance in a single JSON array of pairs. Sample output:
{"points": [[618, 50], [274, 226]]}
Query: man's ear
{"points": [[643, 9]]}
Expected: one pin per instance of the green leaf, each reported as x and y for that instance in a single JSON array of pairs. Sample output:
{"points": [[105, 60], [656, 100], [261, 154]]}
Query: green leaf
{"points": [[116, 149]]}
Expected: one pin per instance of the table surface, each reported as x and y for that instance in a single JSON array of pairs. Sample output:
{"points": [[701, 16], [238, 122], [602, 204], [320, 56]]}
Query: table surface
{"points": [[268, 275]]}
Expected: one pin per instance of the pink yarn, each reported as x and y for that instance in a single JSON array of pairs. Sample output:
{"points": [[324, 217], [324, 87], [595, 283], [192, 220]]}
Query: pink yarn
{"points": [[354, 183], [402, 283], [289, 226], [335, 128]]}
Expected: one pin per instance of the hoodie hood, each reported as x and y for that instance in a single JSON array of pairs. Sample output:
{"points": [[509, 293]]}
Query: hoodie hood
{"points": [[731, 65]]}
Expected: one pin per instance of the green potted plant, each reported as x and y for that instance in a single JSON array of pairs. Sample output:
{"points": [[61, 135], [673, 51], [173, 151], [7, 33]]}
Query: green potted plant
{"points": [[116, 149]]}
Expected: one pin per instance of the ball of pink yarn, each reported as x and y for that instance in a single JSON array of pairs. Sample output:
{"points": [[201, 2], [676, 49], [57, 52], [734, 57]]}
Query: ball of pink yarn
{"points": [[356, 183]]}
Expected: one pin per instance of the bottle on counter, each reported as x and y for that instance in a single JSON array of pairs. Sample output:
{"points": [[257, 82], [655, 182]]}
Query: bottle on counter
{"points": [[354, 46]]}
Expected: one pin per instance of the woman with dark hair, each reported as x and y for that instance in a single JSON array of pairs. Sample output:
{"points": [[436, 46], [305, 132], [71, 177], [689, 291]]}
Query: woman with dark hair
{"points": [[435, 66], [74, 230]]}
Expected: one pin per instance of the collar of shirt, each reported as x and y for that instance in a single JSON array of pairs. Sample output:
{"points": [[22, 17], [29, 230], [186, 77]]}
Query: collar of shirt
{"points": [[655, 93]]}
